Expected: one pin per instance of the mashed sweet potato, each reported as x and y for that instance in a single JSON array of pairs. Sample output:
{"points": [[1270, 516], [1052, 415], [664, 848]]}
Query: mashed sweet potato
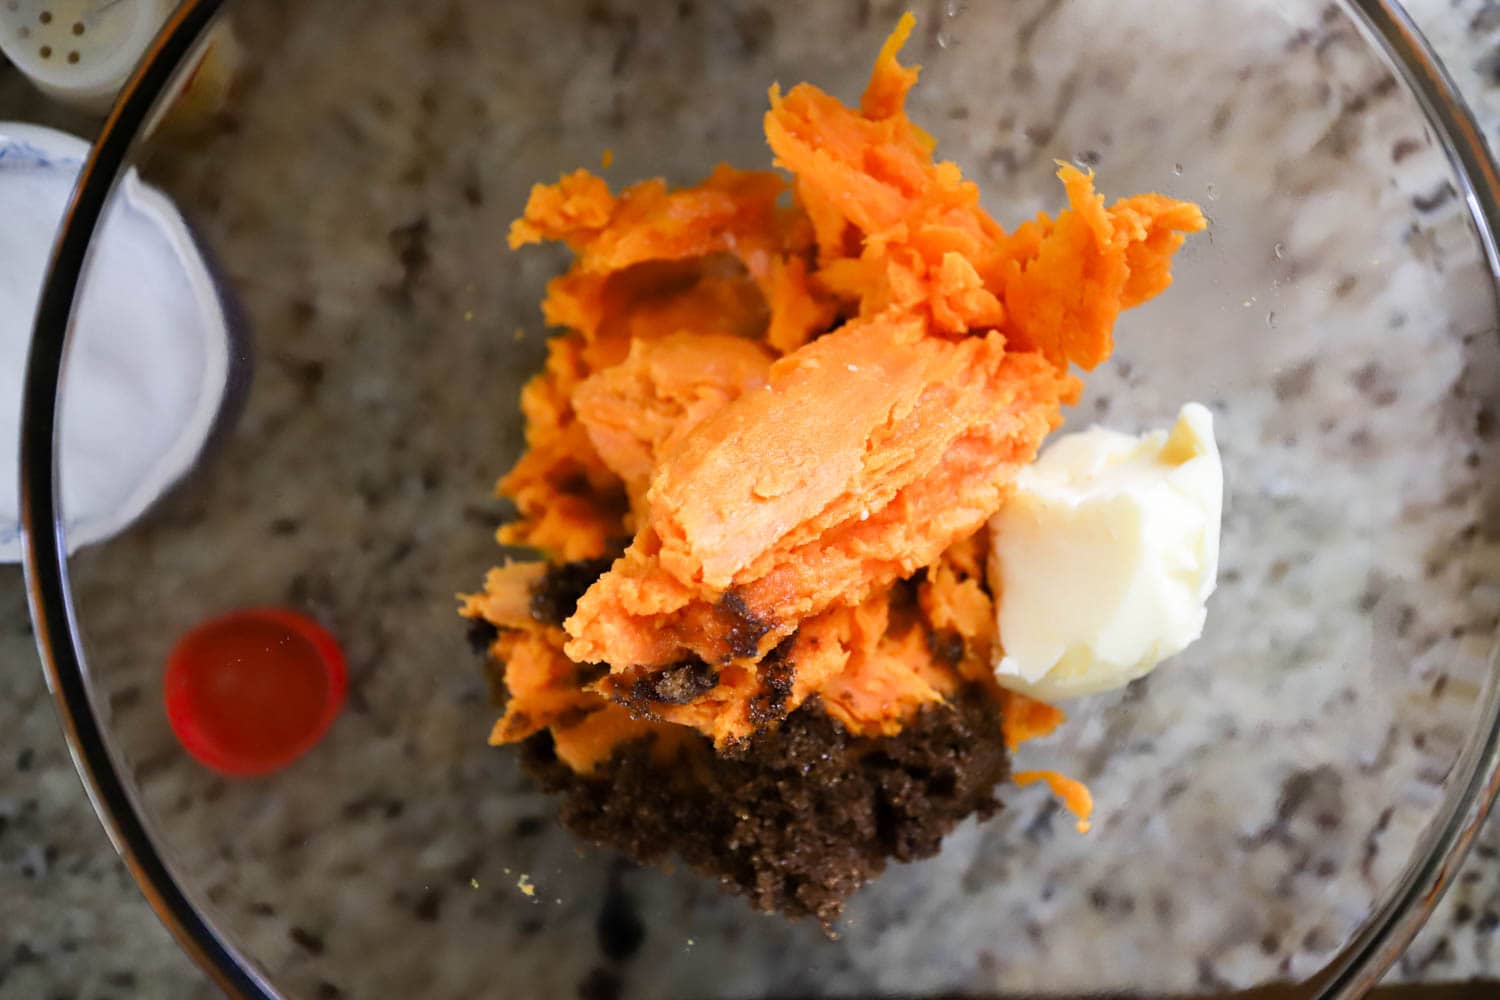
{"points": [[800, 400]]}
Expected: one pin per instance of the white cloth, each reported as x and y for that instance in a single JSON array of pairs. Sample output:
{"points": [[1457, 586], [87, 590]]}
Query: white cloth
{"points": [[149, 358]]}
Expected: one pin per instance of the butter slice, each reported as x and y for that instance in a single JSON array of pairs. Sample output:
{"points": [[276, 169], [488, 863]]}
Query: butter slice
{"points": [[1103, 559]]}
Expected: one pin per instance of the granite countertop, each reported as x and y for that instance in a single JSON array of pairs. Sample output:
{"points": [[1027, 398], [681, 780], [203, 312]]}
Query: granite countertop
{"points": [[72, 922]]}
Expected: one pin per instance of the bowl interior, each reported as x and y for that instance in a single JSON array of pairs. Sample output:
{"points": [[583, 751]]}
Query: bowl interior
{"points": [[1257, 796]]}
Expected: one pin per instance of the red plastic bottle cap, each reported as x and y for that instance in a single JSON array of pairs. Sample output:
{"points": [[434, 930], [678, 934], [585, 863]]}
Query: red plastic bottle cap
{"points": [[251, 691]]}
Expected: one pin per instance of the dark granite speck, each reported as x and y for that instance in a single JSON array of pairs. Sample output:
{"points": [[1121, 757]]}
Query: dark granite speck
{"points": [[601, 984], [307, 940], [619, 927]]}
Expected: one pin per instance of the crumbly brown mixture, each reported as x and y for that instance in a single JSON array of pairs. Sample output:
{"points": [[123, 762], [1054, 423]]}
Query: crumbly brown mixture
{"points": [[805, 814], [555, 596]]}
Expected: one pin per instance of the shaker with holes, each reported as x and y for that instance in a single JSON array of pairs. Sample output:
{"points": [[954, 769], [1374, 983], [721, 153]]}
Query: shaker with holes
{"points": [[81, 52]]}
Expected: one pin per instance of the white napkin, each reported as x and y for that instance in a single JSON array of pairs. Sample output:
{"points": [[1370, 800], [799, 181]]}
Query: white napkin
{"points": [[148, 363]]}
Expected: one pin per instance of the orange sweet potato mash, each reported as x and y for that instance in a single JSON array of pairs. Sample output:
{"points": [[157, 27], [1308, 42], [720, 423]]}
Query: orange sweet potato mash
{"points": [[801, 395]]}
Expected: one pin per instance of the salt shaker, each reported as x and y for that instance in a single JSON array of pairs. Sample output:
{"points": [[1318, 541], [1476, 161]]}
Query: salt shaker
{"points": [[81, 52]]}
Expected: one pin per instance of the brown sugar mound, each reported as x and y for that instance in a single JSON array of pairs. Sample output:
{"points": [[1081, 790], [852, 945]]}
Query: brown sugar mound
{"points": [[805, 815]]}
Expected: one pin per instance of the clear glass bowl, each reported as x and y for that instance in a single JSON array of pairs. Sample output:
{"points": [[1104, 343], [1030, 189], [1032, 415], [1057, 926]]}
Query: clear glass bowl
{"points": [[1283, 803]]}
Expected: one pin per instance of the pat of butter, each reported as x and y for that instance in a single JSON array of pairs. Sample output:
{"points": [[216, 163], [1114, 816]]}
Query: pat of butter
{"points": [[1104, 557]]}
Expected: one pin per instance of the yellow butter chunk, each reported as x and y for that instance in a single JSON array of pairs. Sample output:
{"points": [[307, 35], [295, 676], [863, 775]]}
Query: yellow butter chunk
{"points": [[1104, 558]]}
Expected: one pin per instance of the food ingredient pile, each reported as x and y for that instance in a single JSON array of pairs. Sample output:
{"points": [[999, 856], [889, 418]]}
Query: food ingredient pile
{"points": [[761, 461]]}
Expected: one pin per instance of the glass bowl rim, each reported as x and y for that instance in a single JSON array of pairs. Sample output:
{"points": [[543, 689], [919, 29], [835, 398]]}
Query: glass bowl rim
{"points": [[1356, 968]]}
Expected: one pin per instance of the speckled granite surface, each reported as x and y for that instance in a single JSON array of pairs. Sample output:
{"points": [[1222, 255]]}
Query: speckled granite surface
{"points": [[354, 488]]}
